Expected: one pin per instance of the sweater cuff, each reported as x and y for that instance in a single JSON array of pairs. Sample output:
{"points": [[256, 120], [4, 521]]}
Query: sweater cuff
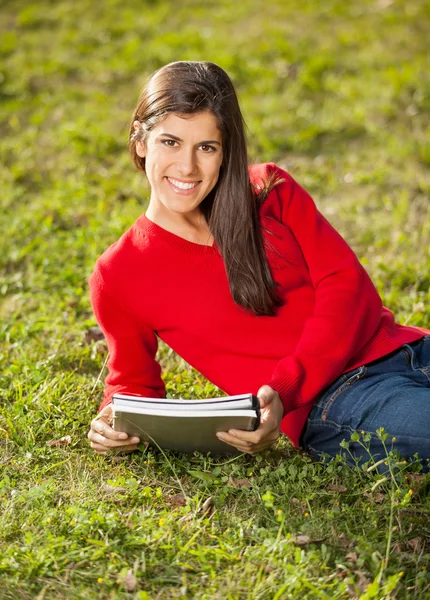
{"points": [[287, 388]]}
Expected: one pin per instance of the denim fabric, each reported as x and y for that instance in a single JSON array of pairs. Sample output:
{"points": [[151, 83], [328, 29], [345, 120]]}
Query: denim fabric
{"points": [[392, 392]]}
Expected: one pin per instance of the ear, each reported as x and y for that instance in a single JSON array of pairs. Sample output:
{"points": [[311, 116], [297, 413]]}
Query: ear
{"points": [[140, 145]]}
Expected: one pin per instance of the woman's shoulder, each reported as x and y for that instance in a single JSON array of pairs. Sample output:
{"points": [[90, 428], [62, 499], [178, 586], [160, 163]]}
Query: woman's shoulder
{"points": [[272, 185], [122, 256], [261, 174]]}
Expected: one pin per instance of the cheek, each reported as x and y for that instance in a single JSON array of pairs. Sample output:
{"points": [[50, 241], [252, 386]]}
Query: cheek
{"points": [[216, 171]]}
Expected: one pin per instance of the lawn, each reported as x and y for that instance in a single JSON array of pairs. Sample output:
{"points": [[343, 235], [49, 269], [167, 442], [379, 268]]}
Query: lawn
{"points": [[336, 92]]}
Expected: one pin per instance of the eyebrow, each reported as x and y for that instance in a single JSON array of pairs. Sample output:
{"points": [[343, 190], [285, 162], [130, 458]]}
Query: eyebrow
{"points": [[174, 137]]}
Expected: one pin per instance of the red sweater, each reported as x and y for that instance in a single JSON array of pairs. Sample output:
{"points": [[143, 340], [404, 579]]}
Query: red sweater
{"points": [[152, 283]]}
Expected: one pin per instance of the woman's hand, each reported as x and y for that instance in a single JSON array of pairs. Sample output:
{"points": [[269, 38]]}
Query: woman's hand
{"points": [[272, 411], [104, 438]]}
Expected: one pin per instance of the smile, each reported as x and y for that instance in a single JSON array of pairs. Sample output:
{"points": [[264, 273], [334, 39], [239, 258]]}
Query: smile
{"points": [[182, 187]]}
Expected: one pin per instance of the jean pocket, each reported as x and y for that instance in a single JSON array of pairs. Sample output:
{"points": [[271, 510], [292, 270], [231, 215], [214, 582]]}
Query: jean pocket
{"points": [[417, 354], [342, 384]]}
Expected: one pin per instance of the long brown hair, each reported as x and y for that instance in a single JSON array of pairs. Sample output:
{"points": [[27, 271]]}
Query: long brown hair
{"points": [[231, 209]]}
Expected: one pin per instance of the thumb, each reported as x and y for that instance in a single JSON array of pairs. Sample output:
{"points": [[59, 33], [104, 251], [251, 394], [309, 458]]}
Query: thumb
{"points": [[105, 413], [265, 395]]}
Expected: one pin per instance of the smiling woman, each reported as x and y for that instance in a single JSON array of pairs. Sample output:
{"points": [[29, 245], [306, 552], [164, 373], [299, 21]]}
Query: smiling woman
{"points": [[236, 270], [182, 168]]}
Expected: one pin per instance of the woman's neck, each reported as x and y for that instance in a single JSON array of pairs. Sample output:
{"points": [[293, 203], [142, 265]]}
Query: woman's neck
{"points": [[191, 227]]}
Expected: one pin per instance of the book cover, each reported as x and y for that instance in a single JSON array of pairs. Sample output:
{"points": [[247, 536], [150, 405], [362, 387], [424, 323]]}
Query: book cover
{"points": [[186, 425]]}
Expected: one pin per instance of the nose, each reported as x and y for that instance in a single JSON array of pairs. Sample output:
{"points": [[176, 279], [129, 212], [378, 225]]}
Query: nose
{"points": [[187, 162]]}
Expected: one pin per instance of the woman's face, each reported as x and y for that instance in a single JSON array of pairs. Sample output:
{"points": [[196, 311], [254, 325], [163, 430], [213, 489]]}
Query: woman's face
{"points": [[183, 156]]}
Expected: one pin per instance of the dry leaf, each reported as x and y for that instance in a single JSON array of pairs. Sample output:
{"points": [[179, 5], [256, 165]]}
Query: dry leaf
{"points": [[64, 441], [265, 568], [345, 542], [414, 544], [303, 540], [337, 488], [363, 582], [177, 500], [239, 482], [113, 489], [93, 334], [352, 556], [410, 477], [398, 548], [377, 497], [415, 480], [130, 581], [207, 506]]}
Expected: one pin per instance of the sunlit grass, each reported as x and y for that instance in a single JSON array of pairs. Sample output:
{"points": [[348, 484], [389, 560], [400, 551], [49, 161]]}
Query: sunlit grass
{"points": [[335, 92]]}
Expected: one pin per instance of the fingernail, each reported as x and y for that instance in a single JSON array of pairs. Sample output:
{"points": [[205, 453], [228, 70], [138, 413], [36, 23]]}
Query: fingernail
{"points": [[135, 440], [122, 436]]}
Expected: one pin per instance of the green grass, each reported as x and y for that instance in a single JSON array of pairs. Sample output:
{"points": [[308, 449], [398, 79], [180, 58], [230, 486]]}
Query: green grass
{"points": [[337, 92]]}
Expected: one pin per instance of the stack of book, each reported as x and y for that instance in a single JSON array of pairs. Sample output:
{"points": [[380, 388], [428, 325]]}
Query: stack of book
{"points": [[185, 425]]}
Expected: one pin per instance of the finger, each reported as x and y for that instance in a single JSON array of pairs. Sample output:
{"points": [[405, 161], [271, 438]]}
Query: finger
{"points": [[107, 431], [108, 443], [103, 450], [98, 448], [254, 437], [235, 442]]}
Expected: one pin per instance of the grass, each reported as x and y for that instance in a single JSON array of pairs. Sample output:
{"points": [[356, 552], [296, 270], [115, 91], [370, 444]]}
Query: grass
{"points": [[338, 94]]}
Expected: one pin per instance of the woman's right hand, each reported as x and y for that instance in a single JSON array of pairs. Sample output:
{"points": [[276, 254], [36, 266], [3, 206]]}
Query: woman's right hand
{"points": [[103, 438]]}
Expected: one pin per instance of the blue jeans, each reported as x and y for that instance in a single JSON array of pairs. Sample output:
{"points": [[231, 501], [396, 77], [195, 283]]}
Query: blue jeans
{"points": [[392, 392]]}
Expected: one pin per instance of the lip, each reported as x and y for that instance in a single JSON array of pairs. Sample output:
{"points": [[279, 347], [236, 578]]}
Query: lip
{"points": [[183, 192], [184, 180]]}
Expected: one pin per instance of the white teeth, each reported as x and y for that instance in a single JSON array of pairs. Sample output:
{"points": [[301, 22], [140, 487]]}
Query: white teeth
{"points": [[182, 186]]}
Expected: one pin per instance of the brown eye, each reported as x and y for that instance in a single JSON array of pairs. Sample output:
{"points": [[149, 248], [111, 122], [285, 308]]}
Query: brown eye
{"points": [[169, 143], [207, 149]]}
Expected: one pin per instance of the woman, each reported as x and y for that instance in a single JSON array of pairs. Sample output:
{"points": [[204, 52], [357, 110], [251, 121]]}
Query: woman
{"points": [[238, 272]]}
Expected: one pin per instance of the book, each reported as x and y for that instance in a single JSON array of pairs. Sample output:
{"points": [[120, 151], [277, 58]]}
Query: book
{"points": [[185, 425]]}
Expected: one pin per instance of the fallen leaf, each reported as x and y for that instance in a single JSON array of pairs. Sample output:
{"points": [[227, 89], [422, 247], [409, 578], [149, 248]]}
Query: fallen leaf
{"points": [[352, 556], [415, 480], [377, 497], [303, 540], [414, 544], [398, 548], [93, 334], [337, 488], [64, 441], [207, 506], [345, 542], [113, 489], [363, 582], [263, 567], [177, 500], [130, 581], [415, 477], [239, 482]]}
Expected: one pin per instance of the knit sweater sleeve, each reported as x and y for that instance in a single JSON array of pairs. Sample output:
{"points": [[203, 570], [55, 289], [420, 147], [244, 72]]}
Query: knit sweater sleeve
{"points": [[132, 346], [347, 308]]}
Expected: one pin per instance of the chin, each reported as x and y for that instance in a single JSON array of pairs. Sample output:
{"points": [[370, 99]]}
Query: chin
{"points": [[181, 207]]}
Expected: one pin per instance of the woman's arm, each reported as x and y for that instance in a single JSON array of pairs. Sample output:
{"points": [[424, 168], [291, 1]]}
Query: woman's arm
{"points": [[347, 308], [132, 347]]}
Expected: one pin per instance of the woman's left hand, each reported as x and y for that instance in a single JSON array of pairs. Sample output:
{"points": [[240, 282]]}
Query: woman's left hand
{"points": [[272, 411]]}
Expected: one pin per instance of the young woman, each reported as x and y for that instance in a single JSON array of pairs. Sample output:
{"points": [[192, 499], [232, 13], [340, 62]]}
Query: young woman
{"points": [[237, 271]]}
